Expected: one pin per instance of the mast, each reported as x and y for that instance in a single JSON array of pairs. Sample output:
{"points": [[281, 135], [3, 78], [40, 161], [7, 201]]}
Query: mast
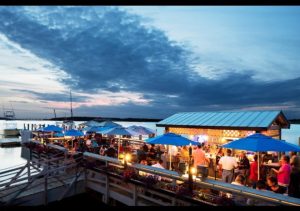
{"points": [[54, 113], [71, 105]]}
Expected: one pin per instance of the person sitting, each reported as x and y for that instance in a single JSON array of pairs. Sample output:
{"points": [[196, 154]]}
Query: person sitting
{"points": [[145, 148], [142, 173], [239, 180], [102, 150], [152, 152], [273, 185], [294, 186], [141, 154], [261, 186], [111, 152], [159, 165]]}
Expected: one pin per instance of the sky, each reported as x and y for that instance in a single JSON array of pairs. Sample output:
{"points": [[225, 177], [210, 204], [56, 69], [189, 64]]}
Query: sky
{"points": [[148, 61]]}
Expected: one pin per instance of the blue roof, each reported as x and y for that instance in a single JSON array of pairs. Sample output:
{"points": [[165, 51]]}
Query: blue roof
{"points": [[236, 119]]}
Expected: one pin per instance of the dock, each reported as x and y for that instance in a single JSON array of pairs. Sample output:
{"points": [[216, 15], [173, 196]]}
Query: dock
{"points": [[10, 142], [52, 173]]}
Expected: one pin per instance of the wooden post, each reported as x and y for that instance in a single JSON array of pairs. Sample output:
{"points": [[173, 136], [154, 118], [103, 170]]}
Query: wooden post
{"points": [[189, 171], [134, 196], [106, 190], [28, 169], [46, 185]]}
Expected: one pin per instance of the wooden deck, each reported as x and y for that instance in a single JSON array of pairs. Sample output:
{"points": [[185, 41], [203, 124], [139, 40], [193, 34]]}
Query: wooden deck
{"points": [[53, 176]]}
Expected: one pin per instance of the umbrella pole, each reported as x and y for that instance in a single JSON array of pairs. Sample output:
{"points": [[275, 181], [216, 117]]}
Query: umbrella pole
{"points": [[258, 165], [119, 147], [170, 168]]}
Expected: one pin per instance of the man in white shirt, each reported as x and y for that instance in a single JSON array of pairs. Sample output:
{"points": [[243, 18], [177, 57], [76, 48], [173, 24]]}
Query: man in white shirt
{"points": [[227, 165], [158, 165]]}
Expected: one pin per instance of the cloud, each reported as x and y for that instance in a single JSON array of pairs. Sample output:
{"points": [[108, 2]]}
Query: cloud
{"points": [[106, 49], [62, 97]]}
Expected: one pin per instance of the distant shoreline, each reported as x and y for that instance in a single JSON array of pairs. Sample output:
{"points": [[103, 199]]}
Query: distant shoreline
{"points": [[94, 118], [292, 121]]}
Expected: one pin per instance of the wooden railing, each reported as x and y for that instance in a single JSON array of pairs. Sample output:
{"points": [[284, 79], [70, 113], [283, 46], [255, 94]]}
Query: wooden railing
{"points": [[110, 182], [105, 175]]}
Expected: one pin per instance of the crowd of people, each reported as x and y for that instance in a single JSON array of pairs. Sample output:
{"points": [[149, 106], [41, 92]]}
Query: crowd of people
{"points": [[237, 170]]}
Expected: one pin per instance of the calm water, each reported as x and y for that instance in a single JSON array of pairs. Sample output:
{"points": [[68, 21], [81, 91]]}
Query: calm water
{"points": [[12, 156]]}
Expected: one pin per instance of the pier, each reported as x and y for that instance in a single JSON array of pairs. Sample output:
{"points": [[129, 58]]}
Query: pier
{"points": [[10, 142], [52, 174]]}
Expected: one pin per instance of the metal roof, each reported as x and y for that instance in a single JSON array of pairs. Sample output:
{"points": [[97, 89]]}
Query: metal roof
{"points": [[232, 119]]}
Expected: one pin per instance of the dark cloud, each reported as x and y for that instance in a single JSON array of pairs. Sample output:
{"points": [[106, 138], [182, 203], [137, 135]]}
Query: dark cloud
{"points": [[105, 48], [45, 97]]}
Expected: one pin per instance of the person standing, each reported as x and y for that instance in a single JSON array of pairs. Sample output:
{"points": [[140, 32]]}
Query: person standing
{"points": [[254, 172], [244, 165], [294, 186], [199, 157], [283, 174], [227, 165]]}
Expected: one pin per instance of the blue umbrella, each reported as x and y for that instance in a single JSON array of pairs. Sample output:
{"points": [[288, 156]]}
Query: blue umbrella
{"points": [[58, 135], [97, 129], [51, 128], [109, 124], [120, 131], [73, 132], [142, 130], [171, 139], [261, 143], [92, 123]]}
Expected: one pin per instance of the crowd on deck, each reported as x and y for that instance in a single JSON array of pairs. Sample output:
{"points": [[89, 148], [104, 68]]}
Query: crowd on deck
{"points": [[240, 169]]}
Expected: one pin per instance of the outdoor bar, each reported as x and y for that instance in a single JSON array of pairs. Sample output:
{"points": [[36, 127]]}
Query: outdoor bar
{"points": [[215, 129]]}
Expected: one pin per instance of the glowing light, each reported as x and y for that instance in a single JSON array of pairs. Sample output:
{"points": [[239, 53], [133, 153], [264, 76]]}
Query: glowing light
{"points": [[193, 170], [127, 157]]}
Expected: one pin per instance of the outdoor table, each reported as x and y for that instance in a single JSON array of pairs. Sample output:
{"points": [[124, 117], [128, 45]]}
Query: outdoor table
{"points": [[268, 168], [271, 165]]}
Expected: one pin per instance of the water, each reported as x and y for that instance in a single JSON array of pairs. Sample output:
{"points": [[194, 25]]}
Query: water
{"points": [[12, 156]]}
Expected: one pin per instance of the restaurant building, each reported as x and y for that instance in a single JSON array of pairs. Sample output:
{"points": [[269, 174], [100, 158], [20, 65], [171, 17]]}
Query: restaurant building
{"points": [[221, 127]]}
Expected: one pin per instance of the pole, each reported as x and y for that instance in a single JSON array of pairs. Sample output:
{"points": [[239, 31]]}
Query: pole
{"points": [[170, 167], [258, 165], [190, 167], [119, 146]]}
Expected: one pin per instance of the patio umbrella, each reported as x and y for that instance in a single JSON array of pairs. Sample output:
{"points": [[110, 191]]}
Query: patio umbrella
{"points": [[109, 124], [51, 128], [91, 123], [58, 135], [261, 143], [142, 130], [73, 132], [119, 131], [97, 129], [171, 139]]}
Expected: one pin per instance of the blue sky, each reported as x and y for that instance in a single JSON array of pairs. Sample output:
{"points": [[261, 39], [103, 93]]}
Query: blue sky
{"points": [[149, 61]]}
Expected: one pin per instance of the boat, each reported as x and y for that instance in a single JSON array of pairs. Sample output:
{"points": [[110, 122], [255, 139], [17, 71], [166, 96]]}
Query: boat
{"points": [[9, 127]]}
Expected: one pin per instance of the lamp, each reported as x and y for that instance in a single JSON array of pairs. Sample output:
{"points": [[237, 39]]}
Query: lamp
{"points": [[127, 157]]}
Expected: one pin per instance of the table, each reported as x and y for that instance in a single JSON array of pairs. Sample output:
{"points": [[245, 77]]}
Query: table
{"points": [[267, 169]]}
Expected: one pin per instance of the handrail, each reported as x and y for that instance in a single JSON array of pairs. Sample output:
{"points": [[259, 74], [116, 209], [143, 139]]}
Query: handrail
{"points": [[11, 167], [213, 184]]}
